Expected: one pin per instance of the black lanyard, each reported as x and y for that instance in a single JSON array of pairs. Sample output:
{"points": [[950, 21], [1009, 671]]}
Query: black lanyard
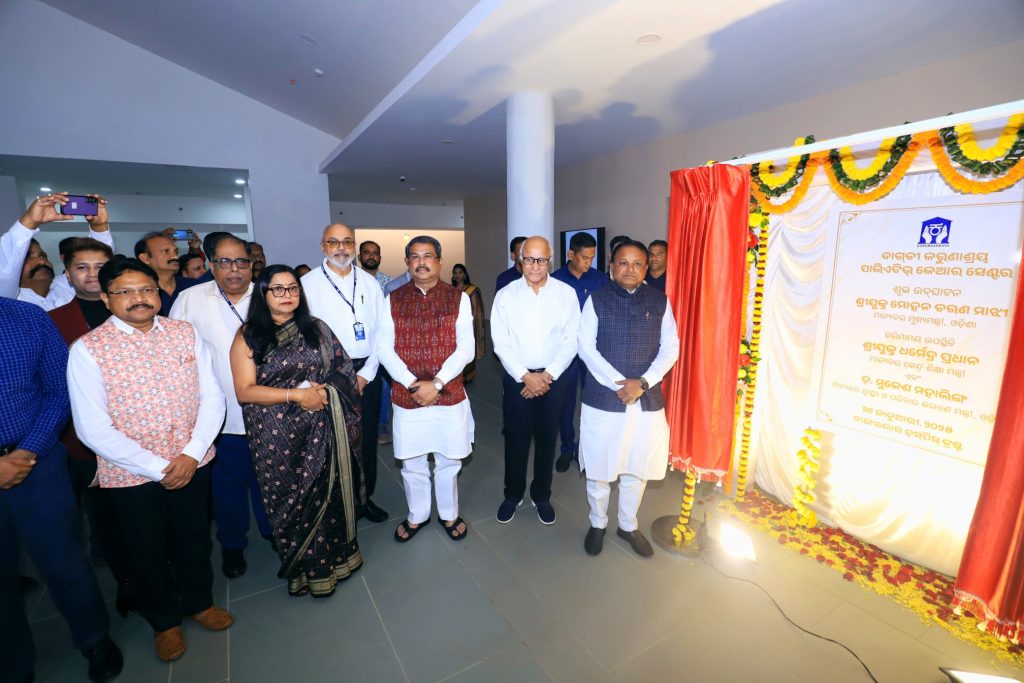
{"points": [[231, 305], [351, 304]]}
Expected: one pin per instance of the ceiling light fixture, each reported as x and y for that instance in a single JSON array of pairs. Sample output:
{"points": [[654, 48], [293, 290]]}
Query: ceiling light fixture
{"points": [[238, 196], [319, 73], [308, 38], [447, 142], [45, 189], [239, 181], [957, 676], [648, 39]]}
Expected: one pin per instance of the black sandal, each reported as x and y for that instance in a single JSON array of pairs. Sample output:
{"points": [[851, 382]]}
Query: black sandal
{"points": [[452, 532], [410, 531]]}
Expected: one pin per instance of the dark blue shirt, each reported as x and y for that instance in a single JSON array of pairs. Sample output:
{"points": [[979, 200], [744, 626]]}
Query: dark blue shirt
{"points": [[506, 278], [585, 285], [33, 378], [657, 282], [180, 285]]}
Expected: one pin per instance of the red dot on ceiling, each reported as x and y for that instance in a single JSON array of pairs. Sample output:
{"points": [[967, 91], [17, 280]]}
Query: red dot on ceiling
{"points": [[291, 82]]}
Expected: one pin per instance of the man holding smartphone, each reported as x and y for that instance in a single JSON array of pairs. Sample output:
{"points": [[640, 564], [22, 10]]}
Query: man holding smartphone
{"points": [[25, 270]]}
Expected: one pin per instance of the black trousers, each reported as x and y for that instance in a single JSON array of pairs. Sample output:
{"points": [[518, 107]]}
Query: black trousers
{"points": [[167, 534], [99, 511], [526, 420], [370, 418], [39, 515]]}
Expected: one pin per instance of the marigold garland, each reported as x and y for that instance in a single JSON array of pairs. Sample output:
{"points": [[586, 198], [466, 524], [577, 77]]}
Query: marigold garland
{"points": [[784, 181], [984, 166], [798, 192], [855, 172], [803, 496], [886, 186], [838, 163], [682, 532], [962, 183], [927, 593], [969, 145], [759, 218]]}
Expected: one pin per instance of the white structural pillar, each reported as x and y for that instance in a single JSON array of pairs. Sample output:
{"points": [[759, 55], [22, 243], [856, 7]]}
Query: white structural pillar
{"points": [[530, 142]]}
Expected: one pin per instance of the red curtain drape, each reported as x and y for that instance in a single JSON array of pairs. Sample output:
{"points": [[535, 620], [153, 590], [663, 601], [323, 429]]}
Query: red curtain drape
{"points": [[990, 582], [707, 238]]}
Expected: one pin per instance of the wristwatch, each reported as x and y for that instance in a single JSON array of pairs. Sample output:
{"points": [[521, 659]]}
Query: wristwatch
{"points": [[438, 384], [644, 385]]}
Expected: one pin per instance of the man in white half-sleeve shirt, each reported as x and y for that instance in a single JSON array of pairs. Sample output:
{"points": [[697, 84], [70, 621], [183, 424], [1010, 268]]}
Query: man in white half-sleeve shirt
{"points": [[26, 273], [426, 340], [145, 399], [628, 341], [350, 301], [217, 309], [534, 326]]}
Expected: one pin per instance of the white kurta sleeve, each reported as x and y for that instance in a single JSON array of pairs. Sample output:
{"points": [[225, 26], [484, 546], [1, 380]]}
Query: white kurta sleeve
{"points": [[501, 335], [13, 248], [386, 355], [668, 351], [92, 419], [211, 405], [103, 236], [375, 294], [570, 313], [600, 368], [465, 343]]}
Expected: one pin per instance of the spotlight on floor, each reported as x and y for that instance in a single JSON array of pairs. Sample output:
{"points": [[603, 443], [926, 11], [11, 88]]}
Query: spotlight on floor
{"points": [[957, 676], [736, 542]]}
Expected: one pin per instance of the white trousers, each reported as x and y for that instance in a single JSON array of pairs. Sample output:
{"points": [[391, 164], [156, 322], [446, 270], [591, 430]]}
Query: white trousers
{"points": [[631, 493], [416, 477]]}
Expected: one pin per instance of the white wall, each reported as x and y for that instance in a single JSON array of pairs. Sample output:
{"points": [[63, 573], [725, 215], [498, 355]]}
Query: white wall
{"points": [[392, 243], [364, 214], [628, 191], [79, 92]]}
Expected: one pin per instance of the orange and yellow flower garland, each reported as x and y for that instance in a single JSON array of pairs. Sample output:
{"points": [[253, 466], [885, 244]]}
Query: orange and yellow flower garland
{"points": [[962, 183], [883, 188], [803, 496], [798, 193], [682, 533]]}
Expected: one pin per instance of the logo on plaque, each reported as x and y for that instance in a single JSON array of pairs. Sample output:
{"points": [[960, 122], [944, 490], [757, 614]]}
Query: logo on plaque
{"points": [[935, 232]]}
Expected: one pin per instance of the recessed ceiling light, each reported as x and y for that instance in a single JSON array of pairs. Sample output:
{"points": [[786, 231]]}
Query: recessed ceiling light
{"points": [[239, 181], [308, 38], [238, 196], [319, 73], [447, 142], [648, 39], [45, 189]]}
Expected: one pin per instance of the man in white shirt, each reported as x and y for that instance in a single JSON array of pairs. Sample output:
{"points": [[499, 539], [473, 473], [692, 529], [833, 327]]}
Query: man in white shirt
{"points": [[217, 309], [350, 301], [426, 340], [534, 326], [628, 341], [25, 270], [145, 399]]}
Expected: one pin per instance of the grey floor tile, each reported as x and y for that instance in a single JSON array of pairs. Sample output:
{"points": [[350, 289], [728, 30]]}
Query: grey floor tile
{"points": [[281, 638], [515, 665]]}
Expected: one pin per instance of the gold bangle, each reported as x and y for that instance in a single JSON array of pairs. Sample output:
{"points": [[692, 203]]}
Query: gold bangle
{"points": [[286, 393]]}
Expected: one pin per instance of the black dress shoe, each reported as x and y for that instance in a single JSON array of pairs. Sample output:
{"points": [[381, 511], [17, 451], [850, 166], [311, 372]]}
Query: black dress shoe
{"points": [[105, 661], [565, 460], [594, 542], [372, 512], [233, 563], [637, 541], [125, 602]]}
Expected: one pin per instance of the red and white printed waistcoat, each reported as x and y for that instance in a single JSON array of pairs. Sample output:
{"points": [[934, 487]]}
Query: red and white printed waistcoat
{"points": [[425, 337], [152, 386]]}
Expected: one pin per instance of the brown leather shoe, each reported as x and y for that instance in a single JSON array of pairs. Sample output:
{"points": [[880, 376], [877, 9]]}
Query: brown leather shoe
{"points": [[213, 618], [170, 644]]}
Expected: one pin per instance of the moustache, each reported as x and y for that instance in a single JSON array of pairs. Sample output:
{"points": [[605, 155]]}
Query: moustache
{"points": [[41, 266], [422, 269], [132, 308], [174, 261]]}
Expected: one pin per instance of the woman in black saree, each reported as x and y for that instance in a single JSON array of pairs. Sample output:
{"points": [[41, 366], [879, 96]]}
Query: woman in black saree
{"points": [[300, 404]]}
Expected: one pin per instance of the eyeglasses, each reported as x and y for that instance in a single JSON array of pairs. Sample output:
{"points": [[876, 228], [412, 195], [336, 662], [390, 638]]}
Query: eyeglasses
{"points": [[144, 291], [529, 260], [280, 290], [226, 263], [425, 258], [333, 244]]}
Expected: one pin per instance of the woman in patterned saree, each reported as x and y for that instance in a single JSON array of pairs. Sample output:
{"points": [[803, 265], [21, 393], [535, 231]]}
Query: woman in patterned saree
{"points": [[300, 403]]}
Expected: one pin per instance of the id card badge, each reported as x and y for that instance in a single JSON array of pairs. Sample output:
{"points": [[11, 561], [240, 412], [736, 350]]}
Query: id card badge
{"points": [[360, 331]]}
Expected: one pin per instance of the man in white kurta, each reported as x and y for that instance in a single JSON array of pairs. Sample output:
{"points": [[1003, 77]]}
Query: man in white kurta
{"points": [[426, 339], [628, 341]]}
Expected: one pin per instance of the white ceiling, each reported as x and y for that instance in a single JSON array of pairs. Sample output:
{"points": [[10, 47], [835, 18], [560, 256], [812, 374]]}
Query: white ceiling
{"points": [[400, 77]]}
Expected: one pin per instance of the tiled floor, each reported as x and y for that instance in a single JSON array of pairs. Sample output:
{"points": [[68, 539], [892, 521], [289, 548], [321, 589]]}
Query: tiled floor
{"points": [[523, 602]]}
